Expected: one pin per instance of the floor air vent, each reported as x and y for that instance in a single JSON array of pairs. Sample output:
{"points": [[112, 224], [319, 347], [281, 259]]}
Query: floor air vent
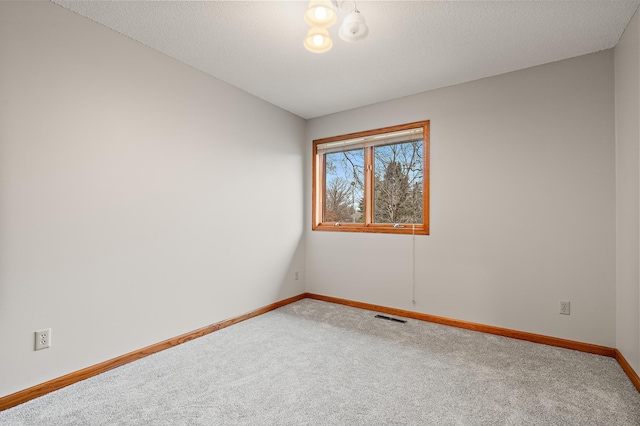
{"points": [[391, 319]]}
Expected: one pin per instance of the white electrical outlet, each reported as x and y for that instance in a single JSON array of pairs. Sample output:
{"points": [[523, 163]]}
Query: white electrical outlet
{"points": [[296, 275], [565, 307], [43, 339]]}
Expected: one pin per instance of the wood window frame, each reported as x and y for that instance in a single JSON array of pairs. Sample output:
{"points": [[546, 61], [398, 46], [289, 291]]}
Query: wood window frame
{"points": [[319, 184]]}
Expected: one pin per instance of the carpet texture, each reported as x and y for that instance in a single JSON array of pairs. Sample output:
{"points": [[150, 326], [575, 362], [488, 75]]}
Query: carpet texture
{"points": [[317, 363]]}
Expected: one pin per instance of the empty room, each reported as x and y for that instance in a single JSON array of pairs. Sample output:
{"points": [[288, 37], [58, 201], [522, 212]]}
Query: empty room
{"points": [[319, 213]]}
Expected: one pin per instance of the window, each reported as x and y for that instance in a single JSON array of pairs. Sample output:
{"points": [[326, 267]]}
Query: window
{"points": [[373, 181]]}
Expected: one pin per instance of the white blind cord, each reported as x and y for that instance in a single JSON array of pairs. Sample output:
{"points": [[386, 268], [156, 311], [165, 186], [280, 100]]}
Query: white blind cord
{"points": [[413, 264]]}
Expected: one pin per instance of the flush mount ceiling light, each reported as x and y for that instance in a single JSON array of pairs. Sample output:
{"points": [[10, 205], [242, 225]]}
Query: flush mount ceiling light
{"points": [[318, 40], [320, 15]]}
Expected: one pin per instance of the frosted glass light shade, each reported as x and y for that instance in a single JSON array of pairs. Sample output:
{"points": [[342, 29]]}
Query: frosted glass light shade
{"points": [[320, 14], [318, 40], [353, 27]]}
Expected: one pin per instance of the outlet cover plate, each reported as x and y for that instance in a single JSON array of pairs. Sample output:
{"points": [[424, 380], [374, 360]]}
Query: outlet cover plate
{"points": [[565, 307], [43, 339]]}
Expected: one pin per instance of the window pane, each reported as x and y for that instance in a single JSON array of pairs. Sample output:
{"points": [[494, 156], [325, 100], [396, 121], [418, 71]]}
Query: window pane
{"points": [[344, 190], [398, 183]]}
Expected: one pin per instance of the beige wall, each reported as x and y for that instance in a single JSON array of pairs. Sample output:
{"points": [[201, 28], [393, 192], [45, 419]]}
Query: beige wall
{"points": [[522, 205], [121, 171], [132, 190], [627, 66]]}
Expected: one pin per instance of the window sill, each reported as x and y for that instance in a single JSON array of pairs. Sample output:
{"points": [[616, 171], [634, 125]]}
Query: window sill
{"points": [[374, 228]]}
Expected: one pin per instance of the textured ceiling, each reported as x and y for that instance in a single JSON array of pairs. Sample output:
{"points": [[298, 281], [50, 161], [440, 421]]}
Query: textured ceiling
{"points": [[412, 46]]}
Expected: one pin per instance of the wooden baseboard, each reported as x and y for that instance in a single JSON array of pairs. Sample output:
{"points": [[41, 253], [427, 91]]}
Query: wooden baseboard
{"points": [[60, 382], [633, 376], [514, 334]]}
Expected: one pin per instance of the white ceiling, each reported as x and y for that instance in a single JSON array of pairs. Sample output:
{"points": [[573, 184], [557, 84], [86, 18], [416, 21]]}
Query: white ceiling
{"points": [[413, 46]]}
